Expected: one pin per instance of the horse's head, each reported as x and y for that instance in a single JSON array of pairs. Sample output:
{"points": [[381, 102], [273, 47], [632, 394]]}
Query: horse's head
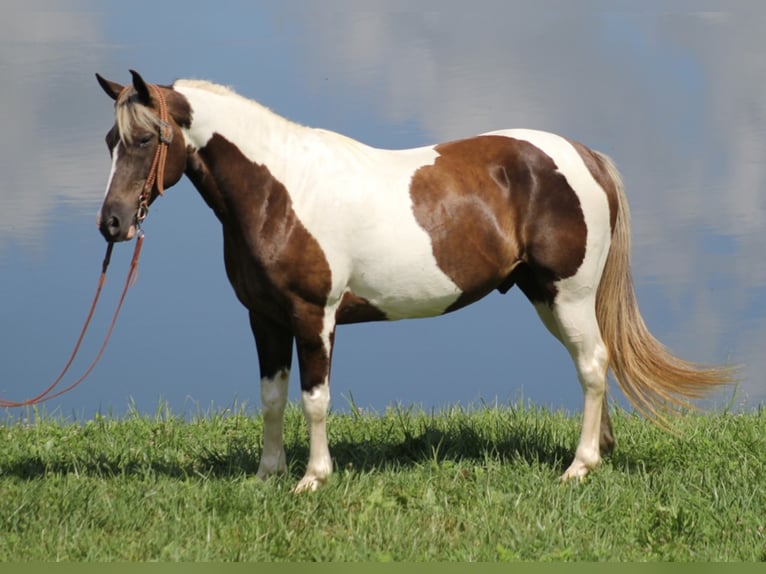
{"points": [[148, 152]]}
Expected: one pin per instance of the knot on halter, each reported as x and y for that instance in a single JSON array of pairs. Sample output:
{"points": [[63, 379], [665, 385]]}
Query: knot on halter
{"points": [[157, 170]]}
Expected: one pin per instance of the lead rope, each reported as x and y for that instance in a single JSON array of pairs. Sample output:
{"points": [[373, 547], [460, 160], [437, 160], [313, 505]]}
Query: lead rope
{"points": [[49, 393], [156, 173]]}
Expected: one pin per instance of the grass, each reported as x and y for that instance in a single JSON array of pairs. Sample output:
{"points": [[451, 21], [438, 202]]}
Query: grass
{"points": [[478, 484]]}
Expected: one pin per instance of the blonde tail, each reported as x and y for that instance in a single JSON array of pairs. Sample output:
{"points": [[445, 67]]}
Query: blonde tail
{"points": [[652, 378]]}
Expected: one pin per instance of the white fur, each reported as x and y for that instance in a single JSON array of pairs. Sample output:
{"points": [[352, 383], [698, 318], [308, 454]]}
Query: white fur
{"points": [[273, 401], [112, 171], [576, 321], [328, 326], [316, 403]]}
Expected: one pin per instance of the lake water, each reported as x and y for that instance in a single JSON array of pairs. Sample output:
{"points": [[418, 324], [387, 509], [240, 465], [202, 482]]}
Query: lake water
{"points": [[675, 92]]}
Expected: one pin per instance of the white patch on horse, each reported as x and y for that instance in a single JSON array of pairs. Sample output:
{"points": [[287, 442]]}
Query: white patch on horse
{"points": [[352, 198], [316, 403], [576, 320], [273, 401], [112, 171], [328, 326]]}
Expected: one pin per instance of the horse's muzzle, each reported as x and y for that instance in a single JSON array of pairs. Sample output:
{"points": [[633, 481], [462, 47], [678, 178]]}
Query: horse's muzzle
{"points": [[116, 225]]}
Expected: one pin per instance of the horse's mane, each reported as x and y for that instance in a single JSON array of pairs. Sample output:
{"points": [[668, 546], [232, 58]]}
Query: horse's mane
{"points": [[226, 91], [208, 86], [131, 115]]}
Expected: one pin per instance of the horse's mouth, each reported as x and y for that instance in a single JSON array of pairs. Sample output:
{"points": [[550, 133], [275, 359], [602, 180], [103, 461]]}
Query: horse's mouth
{"points": [[114, 232]]}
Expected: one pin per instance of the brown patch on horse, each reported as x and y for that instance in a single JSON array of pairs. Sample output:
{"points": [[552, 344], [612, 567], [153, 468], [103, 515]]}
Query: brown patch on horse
{"points": [[260, 212], [606, 440], [200, 176], [354, 309], [276, 267], [498, 213]]}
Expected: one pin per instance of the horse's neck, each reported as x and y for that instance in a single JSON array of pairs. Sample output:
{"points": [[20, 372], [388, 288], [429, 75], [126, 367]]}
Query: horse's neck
{"points": [[263, 137], [302, 160], [202, 179]]}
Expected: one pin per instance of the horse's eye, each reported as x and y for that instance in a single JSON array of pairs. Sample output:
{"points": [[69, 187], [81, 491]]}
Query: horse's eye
{"points": [[145, 141]]}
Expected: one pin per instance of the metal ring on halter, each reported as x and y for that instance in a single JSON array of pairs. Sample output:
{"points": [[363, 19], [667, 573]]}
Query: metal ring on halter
{"points": [[143, 210]]}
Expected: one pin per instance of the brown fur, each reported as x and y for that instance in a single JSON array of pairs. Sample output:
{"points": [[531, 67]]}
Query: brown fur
{"points": [[505, 199]]}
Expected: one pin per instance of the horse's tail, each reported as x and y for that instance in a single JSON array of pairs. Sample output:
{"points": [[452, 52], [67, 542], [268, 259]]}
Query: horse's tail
{"points": [[651, 377]]}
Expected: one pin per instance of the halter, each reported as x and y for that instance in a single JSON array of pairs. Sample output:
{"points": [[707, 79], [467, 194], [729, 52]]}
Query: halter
{"points": [[157, 170]]}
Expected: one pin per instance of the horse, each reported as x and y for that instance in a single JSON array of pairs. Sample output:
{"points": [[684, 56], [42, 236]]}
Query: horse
{"points": [[321, 230]]}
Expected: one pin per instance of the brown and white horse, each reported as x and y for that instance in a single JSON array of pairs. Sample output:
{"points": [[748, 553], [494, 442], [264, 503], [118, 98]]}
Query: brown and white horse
{"points": [[321, 230]]}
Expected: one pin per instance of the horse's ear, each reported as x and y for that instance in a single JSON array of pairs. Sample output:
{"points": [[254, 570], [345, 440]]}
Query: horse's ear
{"points": [[112, 89], [141, 87]]}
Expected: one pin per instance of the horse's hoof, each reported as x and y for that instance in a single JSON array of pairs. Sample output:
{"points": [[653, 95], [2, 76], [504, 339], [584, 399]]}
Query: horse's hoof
{"points": [[308, 484], [576, 471], [266, 470]]}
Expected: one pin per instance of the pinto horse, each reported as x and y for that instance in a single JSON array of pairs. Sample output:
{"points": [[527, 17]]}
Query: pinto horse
{"points": [[321, 230]]}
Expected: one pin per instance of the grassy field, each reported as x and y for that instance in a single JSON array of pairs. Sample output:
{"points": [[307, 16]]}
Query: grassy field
{"points": [[478, 484]]}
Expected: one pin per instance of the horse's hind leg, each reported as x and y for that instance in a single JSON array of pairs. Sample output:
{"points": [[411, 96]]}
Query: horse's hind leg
{"points": [[575, 319], [275, 346], [606, 436]]}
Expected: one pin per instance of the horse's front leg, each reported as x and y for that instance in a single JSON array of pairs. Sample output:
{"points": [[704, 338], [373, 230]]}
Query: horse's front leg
{"points": [[274, 342], [314, 336]]}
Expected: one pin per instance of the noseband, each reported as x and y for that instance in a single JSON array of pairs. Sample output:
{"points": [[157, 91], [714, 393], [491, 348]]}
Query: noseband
{"points": [[157, 170]]}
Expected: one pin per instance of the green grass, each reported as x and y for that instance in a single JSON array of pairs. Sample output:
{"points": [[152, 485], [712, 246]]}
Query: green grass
{"points": [[478, 484]]}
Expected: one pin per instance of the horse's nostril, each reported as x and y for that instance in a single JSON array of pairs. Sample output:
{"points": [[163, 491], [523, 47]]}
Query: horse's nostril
{"points": [[110, 227]]}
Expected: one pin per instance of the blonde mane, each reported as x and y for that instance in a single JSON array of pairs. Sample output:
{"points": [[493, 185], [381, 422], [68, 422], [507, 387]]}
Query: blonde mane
{"points": [[226, 91], [205, 85], [131, 115]]}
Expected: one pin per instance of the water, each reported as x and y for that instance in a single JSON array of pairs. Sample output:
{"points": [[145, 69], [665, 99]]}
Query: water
{"points": [[674, 92]]}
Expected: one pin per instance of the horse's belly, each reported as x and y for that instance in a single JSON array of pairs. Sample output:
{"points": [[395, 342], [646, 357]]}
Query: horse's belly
{"points": [[405, 289], [375, 247]]}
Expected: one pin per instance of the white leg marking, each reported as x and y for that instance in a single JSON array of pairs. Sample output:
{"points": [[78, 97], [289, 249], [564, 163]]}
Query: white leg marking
{"points": [[273, 401], [581, 336], [316, 403]]}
